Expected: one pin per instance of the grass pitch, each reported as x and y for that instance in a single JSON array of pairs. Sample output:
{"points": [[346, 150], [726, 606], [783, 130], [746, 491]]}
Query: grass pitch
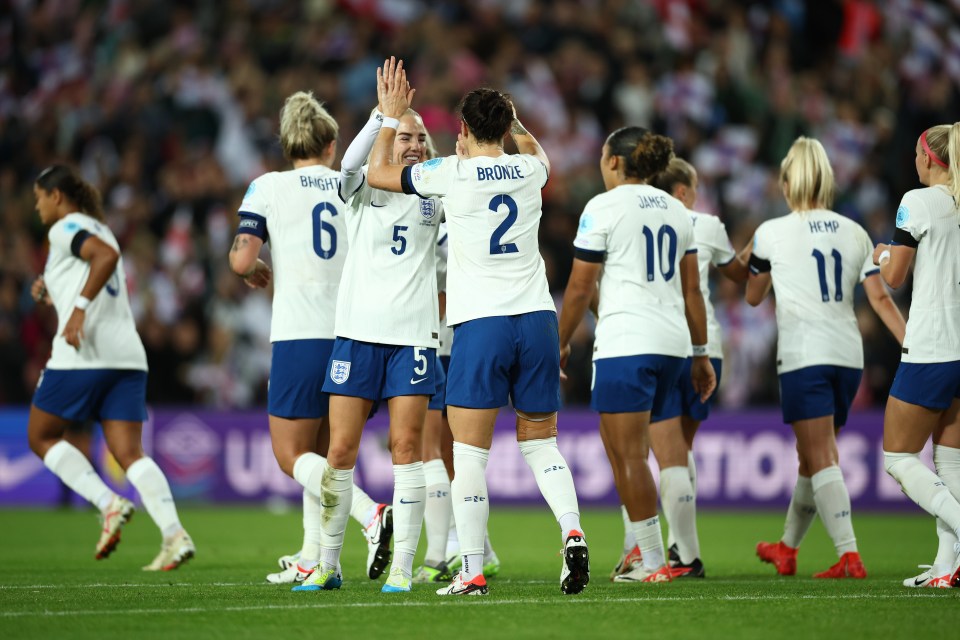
{"points": [[51, 587]]}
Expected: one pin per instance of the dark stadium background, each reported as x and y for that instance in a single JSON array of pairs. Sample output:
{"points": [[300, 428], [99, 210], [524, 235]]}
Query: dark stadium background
{"points": [[171, 109]]}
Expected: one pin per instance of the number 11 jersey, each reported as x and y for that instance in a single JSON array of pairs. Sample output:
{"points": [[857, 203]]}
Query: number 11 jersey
{"points": [[640, 234], [816, 259]]}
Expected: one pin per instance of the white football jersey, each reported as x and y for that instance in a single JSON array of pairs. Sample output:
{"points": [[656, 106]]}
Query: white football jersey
{"points": [[110, 339], [816, 260], [713, 248], [493, 210], [388, 294], [446, 331], [932, 218], [641, 234], [299, 213]]}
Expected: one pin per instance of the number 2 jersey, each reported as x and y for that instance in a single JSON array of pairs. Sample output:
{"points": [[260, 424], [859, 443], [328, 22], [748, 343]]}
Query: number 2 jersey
{"points": [[493, 210], [816, 258], [299, 213], [929, 220], [110, 339], [640, 234]]}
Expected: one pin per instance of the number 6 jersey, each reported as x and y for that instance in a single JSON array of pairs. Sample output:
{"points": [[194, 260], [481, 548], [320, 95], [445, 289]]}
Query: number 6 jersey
{"points": [[493, 210], [299, 213], [816, 258], [640, 234]]}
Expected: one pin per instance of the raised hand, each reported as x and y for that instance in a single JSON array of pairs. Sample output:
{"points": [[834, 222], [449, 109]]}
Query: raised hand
{"points": [[38, 290], [397, 94]]}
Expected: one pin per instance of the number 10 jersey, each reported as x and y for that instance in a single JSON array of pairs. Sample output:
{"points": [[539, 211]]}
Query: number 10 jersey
{"points": [[640, 234]]}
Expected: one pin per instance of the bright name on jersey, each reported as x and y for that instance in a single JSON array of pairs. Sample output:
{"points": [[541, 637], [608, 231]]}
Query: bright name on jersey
{"points": [[326, 184]]}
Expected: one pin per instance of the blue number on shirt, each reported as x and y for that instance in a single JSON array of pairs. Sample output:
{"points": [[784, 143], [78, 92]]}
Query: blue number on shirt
{"points": [[319, 226], [655, 252], [837, 274], [495, 204], [113, 285], [397, 237]]}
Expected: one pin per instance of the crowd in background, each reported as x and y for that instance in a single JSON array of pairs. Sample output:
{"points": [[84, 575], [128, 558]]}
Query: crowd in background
{"points": [[171, 108]]}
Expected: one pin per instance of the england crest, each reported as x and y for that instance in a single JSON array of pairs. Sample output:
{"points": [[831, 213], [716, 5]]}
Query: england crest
{"points": [[426, 209], [339, 371]]}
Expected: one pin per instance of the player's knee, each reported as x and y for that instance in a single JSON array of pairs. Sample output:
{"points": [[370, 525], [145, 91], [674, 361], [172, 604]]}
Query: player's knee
{"points": [[405, 451], [536, 426]]}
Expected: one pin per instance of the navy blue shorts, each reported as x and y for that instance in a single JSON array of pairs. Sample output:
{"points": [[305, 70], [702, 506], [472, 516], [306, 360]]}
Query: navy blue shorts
{"points": [[437, 399], [818, 391], [684, 401], [297, 372], [380, 371], [505, 358], [97, 394], [631, 384], [934, 385]]}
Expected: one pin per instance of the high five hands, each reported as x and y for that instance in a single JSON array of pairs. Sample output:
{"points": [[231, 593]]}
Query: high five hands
{"points": [[394, 93]]}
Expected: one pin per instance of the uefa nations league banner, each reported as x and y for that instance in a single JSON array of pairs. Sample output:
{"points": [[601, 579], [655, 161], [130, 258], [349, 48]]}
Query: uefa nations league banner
{"points": [[744, 460]]}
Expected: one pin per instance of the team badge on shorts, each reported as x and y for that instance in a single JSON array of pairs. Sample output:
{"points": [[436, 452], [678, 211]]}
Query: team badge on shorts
{"points": [[339, 371], [427, 209]]}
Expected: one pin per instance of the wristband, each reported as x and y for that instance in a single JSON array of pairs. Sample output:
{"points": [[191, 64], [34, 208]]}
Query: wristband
{"points": [[699, 350], [82, 303], [390, 123], [884, 257]]}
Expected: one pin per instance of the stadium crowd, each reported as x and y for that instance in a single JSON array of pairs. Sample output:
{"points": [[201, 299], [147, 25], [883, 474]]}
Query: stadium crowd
{"points": [[170, 109]]}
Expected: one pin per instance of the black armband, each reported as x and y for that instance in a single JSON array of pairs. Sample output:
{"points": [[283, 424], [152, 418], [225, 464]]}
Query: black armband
{"points": [[902, 236], [78, 239], [587, 255], [759, 265]]}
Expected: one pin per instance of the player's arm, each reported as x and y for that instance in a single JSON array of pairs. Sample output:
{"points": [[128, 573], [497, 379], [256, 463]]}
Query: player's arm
{"points": [[351, 177], [577, 297], [884, 306], [894, 260], [737, 269], [245, 260], [759, 280], [526, 143], [103, 260], [702, 373], [395, 95]]}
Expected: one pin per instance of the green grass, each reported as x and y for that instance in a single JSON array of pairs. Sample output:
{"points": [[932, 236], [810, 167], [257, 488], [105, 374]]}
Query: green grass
{"points": [[51, 587]]}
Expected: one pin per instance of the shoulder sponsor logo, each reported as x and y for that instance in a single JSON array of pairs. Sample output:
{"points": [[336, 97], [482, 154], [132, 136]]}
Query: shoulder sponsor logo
{"points": [[339, 371], [427, 209], [586, 222], [903, 216], [71, 226], [433, 164]]}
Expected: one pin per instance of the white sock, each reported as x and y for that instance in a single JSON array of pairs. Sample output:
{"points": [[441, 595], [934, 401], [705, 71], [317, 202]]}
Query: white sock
{"points": [[833, 506], [924, 487], [680, 510], [336, 495], [312, 533], [947, 462], [308, 471], [67, 463], [488, 552], [692, 472], [154, 490], [471, 506], [436, 515], [650, 541], [363, 507], [555, 481], [629, 540], [409, 495], [453, 542], [800, 513]]}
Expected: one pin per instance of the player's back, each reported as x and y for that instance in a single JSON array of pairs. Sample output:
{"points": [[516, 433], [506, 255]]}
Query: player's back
{"points": [[308, 246], [644, 233], [493, 208], [816, 258]]}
